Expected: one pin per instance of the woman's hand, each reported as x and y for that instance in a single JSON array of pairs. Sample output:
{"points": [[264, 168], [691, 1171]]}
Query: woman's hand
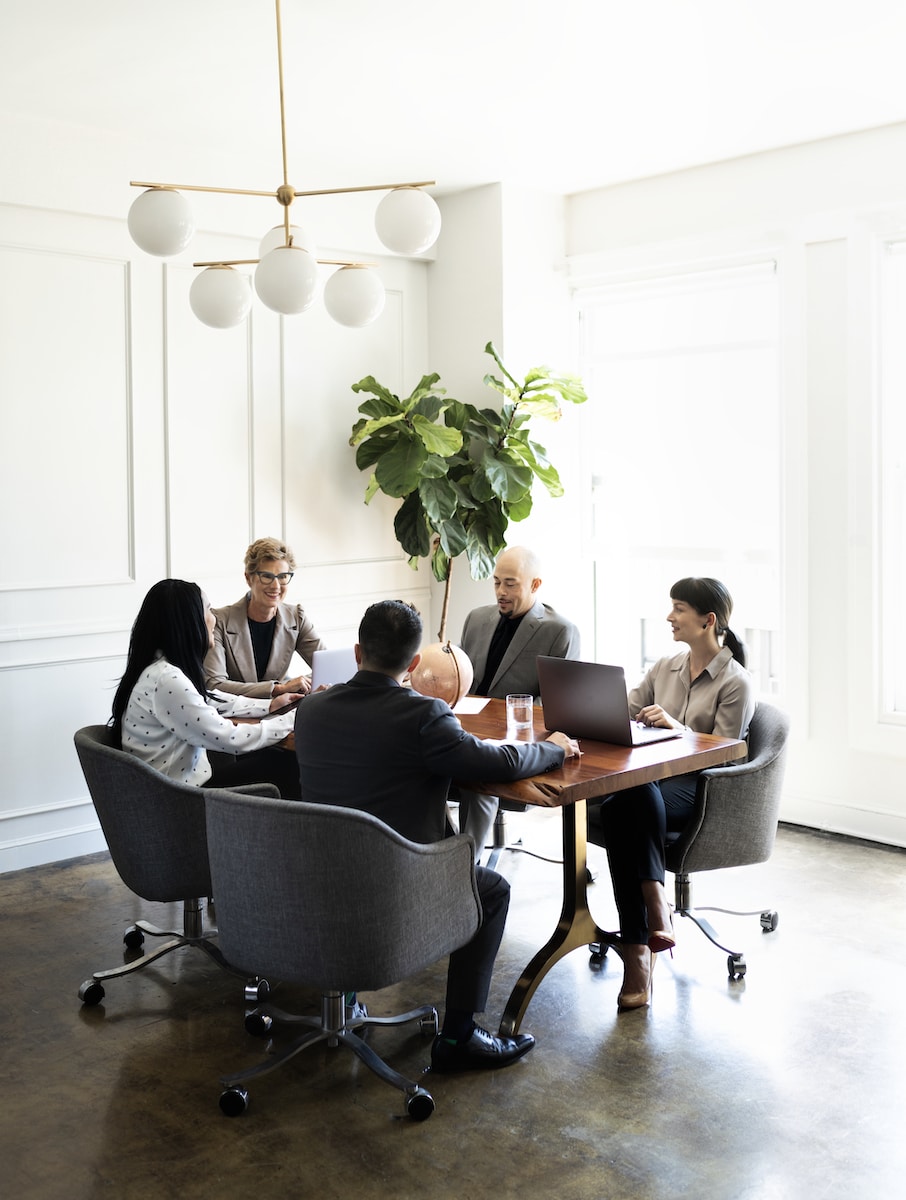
{"points": [[301, 685], [283, 699], [653, 714]]}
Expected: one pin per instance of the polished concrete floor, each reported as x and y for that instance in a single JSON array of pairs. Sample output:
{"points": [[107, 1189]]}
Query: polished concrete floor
{"points": [[788, 1084]]}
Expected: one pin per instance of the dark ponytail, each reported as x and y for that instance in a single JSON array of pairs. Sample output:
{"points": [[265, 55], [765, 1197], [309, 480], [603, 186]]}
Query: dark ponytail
{"points": [[710, 596]]}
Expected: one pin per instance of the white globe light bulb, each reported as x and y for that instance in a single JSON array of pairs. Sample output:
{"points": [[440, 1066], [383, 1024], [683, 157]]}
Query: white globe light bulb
{"points": [[354, 296], [160, 222], [275, 237], [287, 280], [407, 220], [220, 297]]}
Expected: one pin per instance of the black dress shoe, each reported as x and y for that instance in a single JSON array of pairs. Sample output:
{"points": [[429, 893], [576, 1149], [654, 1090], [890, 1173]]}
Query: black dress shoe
{"points": [[483, 1051]]}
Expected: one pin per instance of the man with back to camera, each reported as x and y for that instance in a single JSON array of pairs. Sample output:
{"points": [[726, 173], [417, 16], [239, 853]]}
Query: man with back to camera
{"points": [[374, 745], [503, 641]]}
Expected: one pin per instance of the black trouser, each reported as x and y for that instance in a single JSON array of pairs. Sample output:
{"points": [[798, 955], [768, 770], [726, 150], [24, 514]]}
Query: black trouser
{"points": [[268, 765], [471, 966], [633, 827]]}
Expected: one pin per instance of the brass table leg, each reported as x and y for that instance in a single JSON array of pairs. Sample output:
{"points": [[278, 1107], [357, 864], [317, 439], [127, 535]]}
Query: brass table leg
{"points": [[575, 928]]}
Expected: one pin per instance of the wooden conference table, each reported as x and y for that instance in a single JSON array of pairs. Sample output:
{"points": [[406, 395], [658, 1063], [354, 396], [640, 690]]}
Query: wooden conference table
{"points": [[602, 770]]}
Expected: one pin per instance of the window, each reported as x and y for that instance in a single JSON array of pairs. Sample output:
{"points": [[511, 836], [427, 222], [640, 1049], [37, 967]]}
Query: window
{"points": [[892, 443], [684, 454]]}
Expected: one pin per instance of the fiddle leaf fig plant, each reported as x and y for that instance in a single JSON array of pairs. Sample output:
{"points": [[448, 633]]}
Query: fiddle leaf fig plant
{"points": [[462, 473]]}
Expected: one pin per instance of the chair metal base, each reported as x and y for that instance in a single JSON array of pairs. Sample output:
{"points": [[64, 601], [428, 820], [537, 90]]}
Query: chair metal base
{"points": [[500, 843], [91, 992], [334, 1028], [736, 963]]}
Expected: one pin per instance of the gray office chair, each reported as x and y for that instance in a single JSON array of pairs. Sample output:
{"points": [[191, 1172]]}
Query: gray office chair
{"points": [[332, 898], [155, 831], [734, 823]]}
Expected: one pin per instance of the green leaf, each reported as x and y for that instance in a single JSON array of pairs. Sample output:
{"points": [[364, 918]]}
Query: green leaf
{"points": [[509, 479], [368, 452], [490, 349], [361, 431], [435, 467], [463, 496], [544, 404], [520, 509], [372, 489], [457, 415], [423, 388], [411, 527], [378, 408], [440, 564], [430, 407], [438, 439], [453, 538], [438, 499], [370, 384], [398, 470]]}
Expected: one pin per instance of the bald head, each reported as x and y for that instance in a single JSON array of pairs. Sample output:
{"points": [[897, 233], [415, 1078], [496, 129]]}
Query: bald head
{"points": [[517, 577]]}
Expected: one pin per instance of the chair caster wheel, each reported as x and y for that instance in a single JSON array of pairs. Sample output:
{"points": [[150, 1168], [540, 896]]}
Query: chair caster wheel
{"points": [[258, 1024], [769, 921], [597, 952], [234, 1102], [91, 993], [419, 1104], [736, 965], [256, 991], [429, 1025], [133, 937]]}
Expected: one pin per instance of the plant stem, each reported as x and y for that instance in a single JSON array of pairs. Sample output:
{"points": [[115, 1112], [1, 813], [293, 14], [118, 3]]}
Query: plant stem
{"points": [[441, 637]]}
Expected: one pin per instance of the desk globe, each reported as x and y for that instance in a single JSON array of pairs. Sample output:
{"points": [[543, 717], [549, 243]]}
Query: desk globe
{"points": [[444, 671]]}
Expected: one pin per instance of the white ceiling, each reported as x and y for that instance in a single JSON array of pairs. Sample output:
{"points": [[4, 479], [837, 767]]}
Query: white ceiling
{"points": [[559, 95]]}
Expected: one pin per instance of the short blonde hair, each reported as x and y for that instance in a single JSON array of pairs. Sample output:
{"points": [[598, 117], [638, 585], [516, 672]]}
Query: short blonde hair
{"points": [[265, 549]]}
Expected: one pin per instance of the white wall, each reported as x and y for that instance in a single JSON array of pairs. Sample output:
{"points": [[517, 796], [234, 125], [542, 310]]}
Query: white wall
{"points": [[821, 207], [138, 443]]}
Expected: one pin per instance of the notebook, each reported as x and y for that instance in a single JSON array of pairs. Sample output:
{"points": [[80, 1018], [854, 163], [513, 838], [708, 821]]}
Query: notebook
{"points": [[332, 666], [585, 699]]}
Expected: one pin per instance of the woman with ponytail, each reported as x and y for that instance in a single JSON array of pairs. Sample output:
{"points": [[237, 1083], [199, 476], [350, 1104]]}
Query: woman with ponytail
{"points": [[706, 689]]}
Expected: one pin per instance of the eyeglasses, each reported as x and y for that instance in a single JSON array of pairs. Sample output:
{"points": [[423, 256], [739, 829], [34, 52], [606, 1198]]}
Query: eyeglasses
{"points": [[268, 577]]}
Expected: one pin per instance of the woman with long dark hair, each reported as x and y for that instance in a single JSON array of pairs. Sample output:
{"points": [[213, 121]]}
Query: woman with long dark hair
{"points": [[164, 714], [706, 689]]}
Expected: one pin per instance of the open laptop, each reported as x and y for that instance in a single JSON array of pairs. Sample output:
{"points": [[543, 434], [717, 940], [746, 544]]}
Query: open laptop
{"points": [[585, 699], [332, 666]]}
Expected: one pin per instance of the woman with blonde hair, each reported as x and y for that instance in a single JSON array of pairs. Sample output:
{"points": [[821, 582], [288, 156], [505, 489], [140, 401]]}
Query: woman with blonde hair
{"points": [[255, 638]]}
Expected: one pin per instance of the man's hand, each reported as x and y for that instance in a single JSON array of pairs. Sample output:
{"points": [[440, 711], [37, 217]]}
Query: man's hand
{"points": [[567, 744]]}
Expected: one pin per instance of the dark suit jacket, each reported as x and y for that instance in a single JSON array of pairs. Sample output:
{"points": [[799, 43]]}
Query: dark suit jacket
{"points": [[541, 631], [373, 745], [229, 665]]}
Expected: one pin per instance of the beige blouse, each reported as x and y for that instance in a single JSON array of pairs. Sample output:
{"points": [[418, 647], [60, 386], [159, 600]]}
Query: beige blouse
{"points": [[720, 701]]}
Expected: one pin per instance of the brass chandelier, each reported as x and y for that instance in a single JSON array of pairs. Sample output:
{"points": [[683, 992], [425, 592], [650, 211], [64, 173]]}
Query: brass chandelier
{"points": [[287, 279]]}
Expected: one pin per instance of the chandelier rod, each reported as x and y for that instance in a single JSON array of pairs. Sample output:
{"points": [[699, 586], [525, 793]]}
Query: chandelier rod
{"points": [[368, 187], [249, 262]]}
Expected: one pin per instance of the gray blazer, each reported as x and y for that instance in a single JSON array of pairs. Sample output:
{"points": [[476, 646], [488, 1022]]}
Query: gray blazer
{"points": [[229, 665], [541, 631]]}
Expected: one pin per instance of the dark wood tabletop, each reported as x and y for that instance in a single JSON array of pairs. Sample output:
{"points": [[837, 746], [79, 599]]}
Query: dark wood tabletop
{"points": [[603, 768]]}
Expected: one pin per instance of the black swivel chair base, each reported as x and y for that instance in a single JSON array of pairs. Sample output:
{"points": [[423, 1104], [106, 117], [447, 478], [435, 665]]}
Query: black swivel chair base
{"points": [[91, 992], [736, 963], [333, 1027]]}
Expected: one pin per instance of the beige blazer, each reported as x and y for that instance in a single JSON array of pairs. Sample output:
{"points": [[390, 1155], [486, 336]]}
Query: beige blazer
{"points": [[230, 664]]}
